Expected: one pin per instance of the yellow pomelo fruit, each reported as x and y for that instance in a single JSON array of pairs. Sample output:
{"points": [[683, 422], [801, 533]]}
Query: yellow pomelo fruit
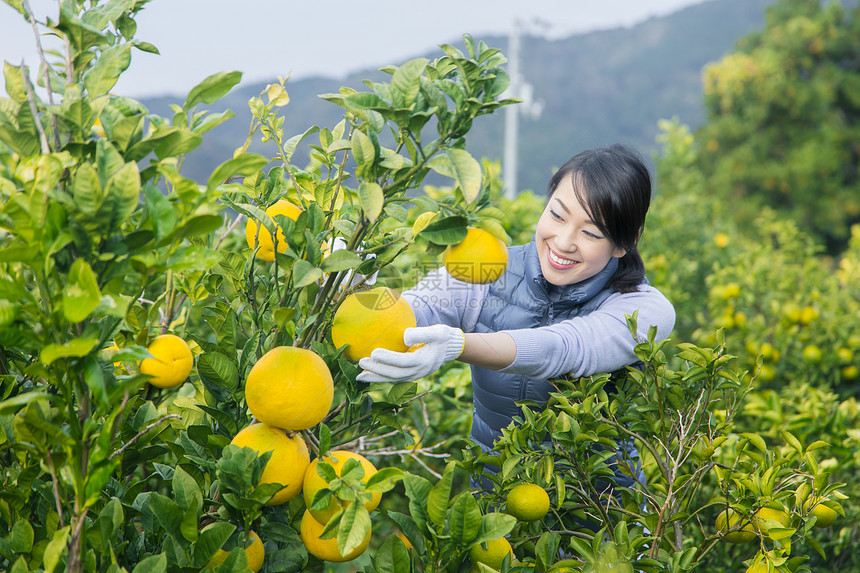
{"points": [[288, 461], [289, 388], [313, 483], [265, 239], [369, 320], [493, 555], [326, 549], [171, 361], [824, 516], [528, 502], [725, 522], [769, 513], [255, 553], [479, 259]]}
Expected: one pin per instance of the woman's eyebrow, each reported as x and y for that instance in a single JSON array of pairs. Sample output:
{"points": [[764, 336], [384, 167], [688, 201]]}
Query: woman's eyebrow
{"points": [[563, 206]]}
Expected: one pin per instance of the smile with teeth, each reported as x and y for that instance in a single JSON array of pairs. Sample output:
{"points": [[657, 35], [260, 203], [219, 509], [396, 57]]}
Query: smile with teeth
{"points": [[558, 260]]}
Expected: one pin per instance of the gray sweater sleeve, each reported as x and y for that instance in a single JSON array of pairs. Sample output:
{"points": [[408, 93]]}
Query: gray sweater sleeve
{"points": [[441, 299], [597, 342]]}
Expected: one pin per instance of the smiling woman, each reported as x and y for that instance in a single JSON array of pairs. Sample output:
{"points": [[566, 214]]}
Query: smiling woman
{"points": [[559, 308]]}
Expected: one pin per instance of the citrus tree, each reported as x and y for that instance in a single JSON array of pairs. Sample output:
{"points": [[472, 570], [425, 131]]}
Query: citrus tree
{"points": [[781, 108], [117, 273]]}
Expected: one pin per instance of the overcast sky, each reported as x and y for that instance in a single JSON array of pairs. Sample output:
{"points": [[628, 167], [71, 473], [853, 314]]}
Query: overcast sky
{"points": [[331, 38]]}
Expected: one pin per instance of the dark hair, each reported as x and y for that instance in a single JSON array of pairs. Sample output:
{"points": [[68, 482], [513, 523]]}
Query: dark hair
{"points": [[614, 187]]}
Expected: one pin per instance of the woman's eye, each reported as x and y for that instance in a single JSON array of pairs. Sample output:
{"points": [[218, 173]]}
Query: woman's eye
{"points": [[555, 215], [591, 235]]}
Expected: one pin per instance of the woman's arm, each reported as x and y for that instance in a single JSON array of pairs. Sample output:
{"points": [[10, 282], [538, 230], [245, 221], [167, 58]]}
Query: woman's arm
{"points": [[495, 350], [439, 298], [597, 342]]}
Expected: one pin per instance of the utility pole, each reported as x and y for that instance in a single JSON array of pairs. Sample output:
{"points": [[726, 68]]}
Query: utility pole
{"points": [[521, 90], [509, 163]]}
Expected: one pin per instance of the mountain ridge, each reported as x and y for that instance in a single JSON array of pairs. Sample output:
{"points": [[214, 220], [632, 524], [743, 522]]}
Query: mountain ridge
{"points": [[597, 88]]}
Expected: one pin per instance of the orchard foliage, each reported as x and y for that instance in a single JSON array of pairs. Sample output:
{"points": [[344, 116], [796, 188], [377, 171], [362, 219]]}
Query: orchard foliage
{"points": [[784, 118]]}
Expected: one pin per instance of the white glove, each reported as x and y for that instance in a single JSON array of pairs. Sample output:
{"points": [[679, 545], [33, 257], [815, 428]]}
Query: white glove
{"points": [[441, 344]]}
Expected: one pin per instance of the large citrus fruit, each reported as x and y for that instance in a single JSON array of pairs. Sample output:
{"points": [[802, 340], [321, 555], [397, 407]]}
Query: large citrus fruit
{"points": [[528, 502], [493, 555], [288, 461], [313, 482], [171, 361], [727, 520], [479, 259], [769, 513], [824, 516], [290, 388], [264, 238], [326, 549], [371, 319], [255, 553]]}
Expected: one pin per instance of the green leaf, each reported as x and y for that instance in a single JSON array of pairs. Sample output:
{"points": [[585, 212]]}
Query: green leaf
{"points": [[409, 529], [152, 564], [107, 69], [495, 525], [371, 198], [293, 142], [212, 538], [756, 440], [186, 490], [304, 273], [167, 512], [384, 480], [55, 549], [111, 517], [87, 189], [459, 165], [447, 231], [245, 164], [121, 196], [326, 471], [392, 557], [94, 377], [353, 528], [363, 150], [178, 142], [218, 369], [81, 294], [465, 520], [21, 537], [159, 211], [360, 101], [14, 82], [74, 348], [792, 441], [417, 490], [406, 81], [212, 89], [439, 496], [190, 527], [340, 261]]}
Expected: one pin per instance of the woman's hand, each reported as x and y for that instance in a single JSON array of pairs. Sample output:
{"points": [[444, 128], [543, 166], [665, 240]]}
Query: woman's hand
{"points": [[439, 344]]}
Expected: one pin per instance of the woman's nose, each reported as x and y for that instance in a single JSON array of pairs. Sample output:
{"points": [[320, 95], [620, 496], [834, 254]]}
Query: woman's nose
{"points": [[567, 241]]}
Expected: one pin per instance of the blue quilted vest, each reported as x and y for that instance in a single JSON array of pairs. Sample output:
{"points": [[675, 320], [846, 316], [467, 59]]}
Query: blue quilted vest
{"points": [[522, 298]]}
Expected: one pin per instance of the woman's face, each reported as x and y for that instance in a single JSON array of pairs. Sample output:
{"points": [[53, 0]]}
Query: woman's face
{"points": [[570, 246]]}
